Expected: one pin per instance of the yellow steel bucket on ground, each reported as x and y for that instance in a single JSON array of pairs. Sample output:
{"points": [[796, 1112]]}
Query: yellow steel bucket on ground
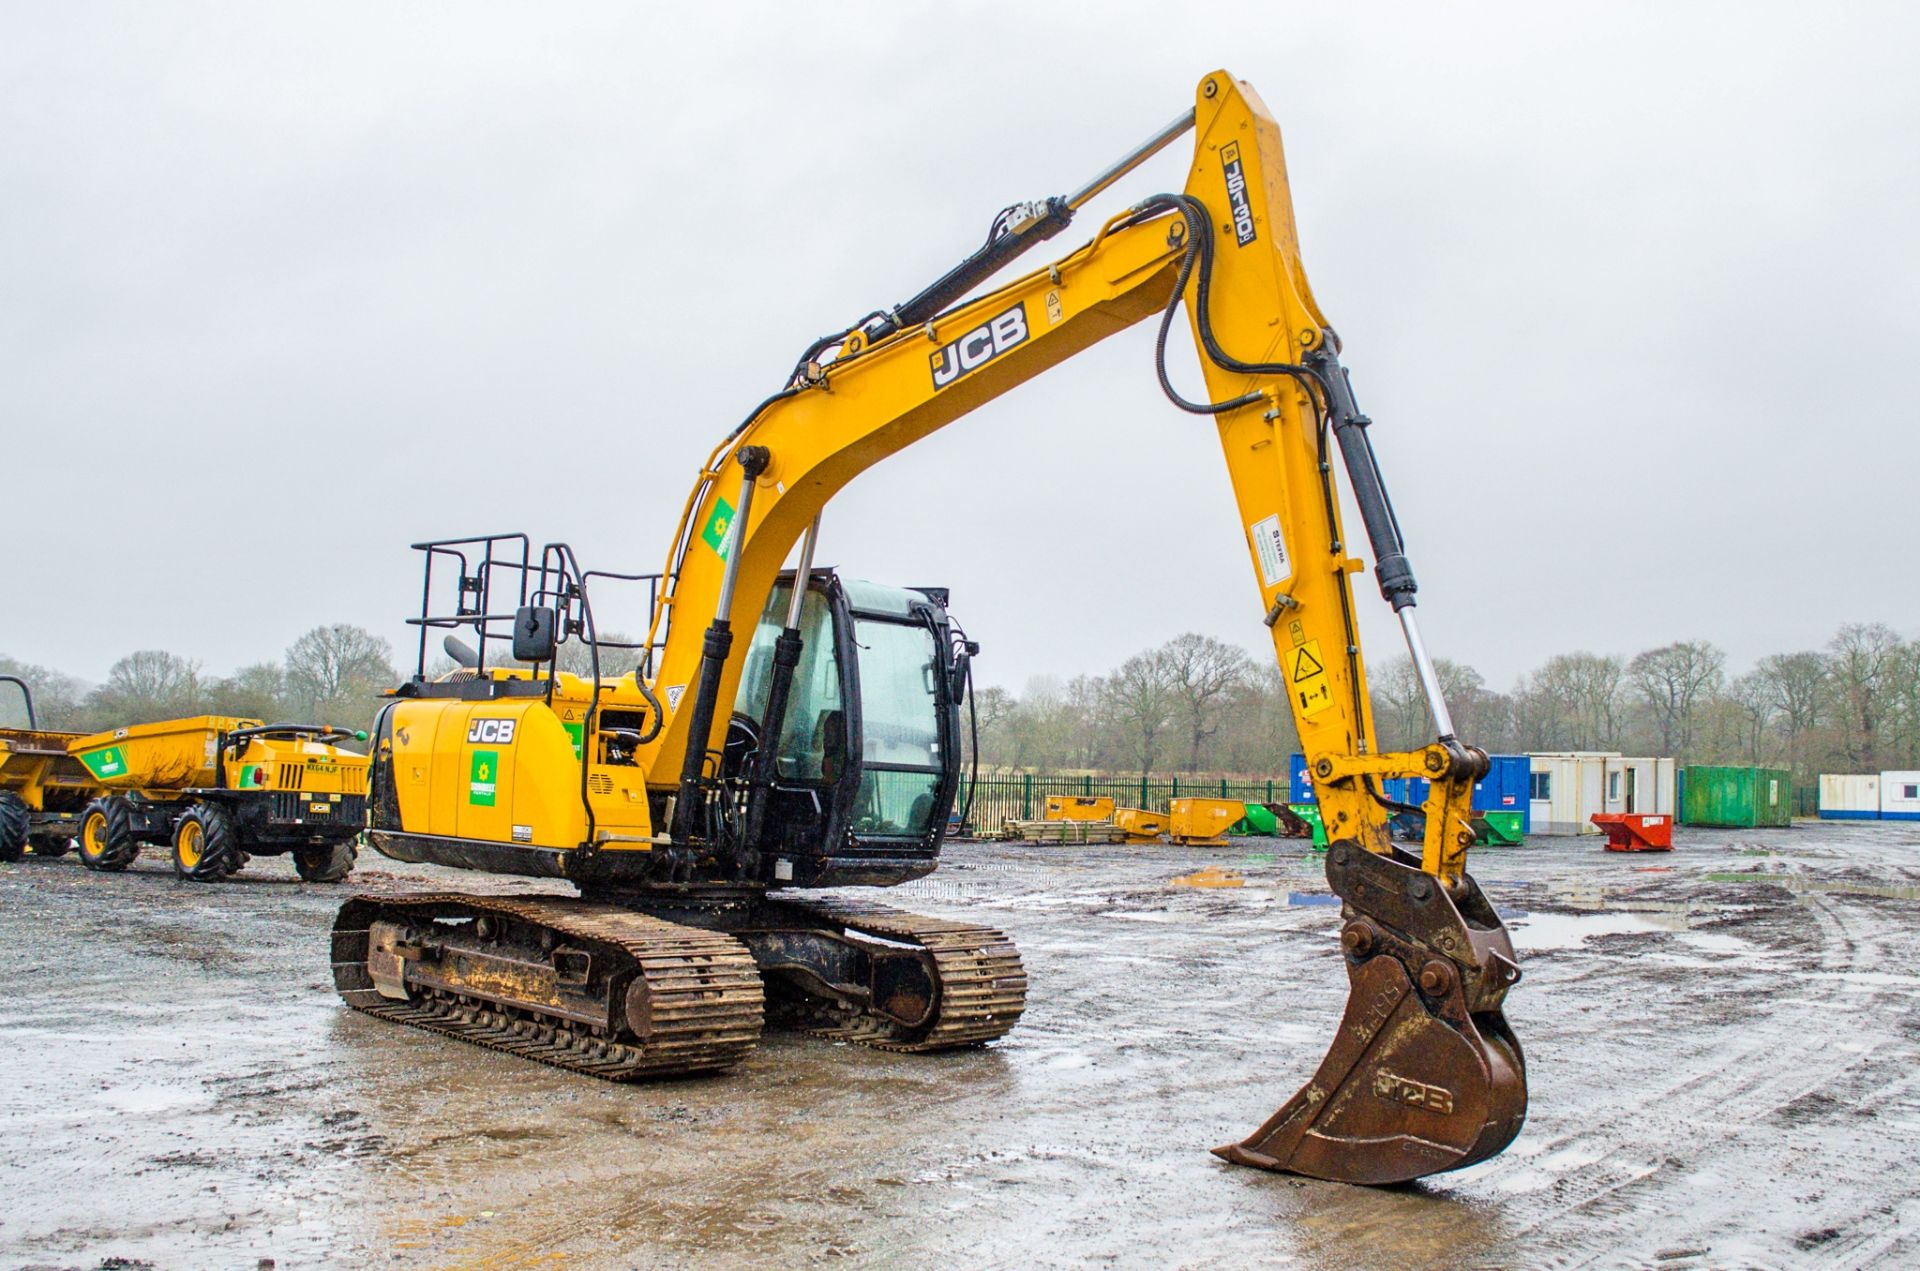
{"points": [[1141, 825], [1203, 822], [1077, 807]]}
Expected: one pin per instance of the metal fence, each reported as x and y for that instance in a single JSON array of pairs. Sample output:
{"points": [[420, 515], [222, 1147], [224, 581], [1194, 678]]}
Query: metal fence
{"points": [[1023, 796]]}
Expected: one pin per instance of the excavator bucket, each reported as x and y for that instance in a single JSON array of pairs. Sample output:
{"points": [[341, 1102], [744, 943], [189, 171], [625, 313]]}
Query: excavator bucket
{"points": [[1424, 1075]]}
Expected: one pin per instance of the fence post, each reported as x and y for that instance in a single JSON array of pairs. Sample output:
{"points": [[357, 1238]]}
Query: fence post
{"points": [[1088, 785], [1269, 789], [1223, 787], [1143, 793], [1176, 789]]}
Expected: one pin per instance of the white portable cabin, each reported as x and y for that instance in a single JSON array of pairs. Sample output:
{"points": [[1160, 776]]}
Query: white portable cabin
{"points": [[1638, 785], [1568, 787], [1849, 796], [1900, 795]]}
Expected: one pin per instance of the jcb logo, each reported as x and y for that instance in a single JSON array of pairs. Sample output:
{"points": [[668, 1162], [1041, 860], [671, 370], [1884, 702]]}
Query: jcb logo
{"points": [[1237, 193], [491, 732], [1415, 1094], [979, 346]]}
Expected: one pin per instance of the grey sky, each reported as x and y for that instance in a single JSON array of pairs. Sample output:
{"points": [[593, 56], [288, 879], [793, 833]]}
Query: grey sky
{"points": [[1630, 291]]}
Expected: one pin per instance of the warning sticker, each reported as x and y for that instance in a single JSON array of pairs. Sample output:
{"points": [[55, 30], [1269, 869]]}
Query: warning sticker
{"points": [[1307, 679], [674, 694], [1271, 549]]}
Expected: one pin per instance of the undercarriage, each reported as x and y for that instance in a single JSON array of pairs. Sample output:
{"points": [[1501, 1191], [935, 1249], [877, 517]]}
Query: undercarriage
{"points": [[661, 985]]}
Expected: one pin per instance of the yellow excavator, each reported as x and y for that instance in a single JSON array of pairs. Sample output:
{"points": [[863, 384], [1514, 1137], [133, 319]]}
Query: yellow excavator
{"points": [[700, 797]]}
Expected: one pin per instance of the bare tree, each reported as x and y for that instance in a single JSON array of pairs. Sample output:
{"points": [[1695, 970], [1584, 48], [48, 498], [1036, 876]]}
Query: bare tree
{"points": [[1903, 699], [1399, 707], [1142, 699], [58, 699], [1084, 715], [576, 656], [1796, 686], [1674, 681], [1203, 672], [335, 668], [149, 685], [993, 710], [1573, 702], [258, 691], [1749, 699], [1862, 656]]}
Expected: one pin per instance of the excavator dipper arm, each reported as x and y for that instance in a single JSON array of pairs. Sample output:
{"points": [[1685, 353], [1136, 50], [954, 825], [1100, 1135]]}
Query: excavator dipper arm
{"points": [[1423, 1075]]}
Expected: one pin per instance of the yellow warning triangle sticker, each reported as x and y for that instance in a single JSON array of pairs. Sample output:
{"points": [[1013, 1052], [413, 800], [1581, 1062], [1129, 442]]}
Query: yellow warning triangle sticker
{"points": [[1305, 666]]}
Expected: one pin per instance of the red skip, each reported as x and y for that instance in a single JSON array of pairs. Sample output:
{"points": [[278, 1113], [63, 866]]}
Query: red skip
{"points": [[1636, 831]]}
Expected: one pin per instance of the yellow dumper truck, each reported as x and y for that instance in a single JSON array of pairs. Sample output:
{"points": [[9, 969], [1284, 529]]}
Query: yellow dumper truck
{"points": [[43, 789], [219, 790]]}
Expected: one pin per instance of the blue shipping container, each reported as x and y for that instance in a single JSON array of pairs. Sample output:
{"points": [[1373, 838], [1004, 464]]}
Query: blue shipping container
{"points": [[1299, 786], [1504, 788]]}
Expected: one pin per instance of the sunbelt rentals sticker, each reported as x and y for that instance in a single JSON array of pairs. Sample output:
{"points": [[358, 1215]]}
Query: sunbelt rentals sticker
{"points": [[483, 778], [108, 762]]}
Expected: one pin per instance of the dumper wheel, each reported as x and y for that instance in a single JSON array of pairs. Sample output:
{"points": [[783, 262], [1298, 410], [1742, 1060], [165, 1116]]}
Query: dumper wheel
{"points": [[48, 846], [324, 864], [205, 843], [106, 835], [13, 826]]}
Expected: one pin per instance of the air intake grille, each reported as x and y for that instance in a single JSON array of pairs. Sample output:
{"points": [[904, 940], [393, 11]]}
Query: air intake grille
{"points": [[292, 775], [599, 783]]}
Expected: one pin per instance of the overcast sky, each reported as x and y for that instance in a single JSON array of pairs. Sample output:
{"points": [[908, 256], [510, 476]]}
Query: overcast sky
{"points": [[1630, 291]]}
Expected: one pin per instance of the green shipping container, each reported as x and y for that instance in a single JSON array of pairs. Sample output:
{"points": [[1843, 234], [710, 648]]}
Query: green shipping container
{"points": [[1736, 798], [1504, 829]]}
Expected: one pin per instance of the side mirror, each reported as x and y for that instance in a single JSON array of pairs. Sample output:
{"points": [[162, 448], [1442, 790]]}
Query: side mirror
{"points": [[957, 673], [533, 634]]}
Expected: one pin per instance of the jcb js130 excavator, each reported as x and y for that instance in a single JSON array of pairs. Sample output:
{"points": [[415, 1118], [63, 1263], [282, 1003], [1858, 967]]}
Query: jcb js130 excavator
{"points": [[689, 797]]}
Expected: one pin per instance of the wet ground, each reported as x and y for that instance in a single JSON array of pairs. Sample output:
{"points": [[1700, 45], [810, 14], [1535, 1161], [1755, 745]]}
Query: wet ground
{"points": [[1723, 1043]]}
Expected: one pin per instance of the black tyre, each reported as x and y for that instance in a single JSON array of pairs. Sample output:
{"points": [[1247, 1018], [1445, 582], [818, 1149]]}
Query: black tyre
{"points": [[324, 864], [106, 835], [49, 846], [206, 844], [13, 826]]}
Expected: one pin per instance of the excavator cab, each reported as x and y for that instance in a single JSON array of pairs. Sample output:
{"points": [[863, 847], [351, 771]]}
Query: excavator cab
{"points": [[866, 763], [849, 782]]}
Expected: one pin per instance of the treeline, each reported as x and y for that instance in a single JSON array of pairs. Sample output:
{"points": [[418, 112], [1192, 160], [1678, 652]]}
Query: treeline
{"points": [[1198, 705], [331, 675]]}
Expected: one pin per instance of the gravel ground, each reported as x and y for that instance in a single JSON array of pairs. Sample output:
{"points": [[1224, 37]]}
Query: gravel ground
{"points": [[1722, 1044]]}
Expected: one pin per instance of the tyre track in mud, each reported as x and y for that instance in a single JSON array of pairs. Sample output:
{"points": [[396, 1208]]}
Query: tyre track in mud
{"points": [[1677, 1155]]}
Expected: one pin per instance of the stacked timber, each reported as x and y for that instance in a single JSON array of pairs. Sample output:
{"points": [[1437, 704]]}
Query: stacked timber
{"points": [[1063, 831]]}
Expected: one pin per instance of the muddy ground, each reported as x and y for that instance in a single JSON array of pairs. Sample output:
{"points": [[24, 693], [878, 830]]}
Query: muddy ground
{"points": [[1725, 1072]]}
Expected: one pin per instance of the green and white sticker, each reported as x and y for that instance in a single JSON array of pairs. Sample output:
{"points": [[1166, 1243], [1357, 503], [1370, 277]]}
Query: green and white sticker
{"points": [[718, 532], [483, 778], [578, 733], [105, 763]]}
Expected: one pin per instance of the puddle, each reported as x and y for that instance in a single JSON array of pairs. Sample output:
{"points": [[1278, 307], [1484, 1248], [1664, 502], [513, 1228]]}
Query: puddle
{"points": [[1793, 882], [1570, 931], [1312, 898]]}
